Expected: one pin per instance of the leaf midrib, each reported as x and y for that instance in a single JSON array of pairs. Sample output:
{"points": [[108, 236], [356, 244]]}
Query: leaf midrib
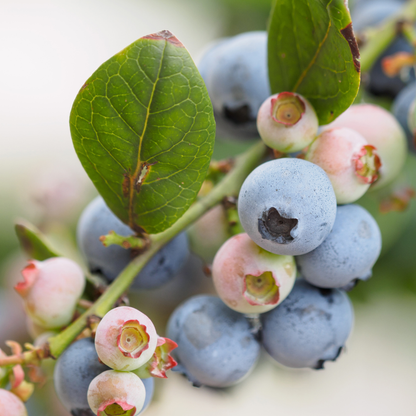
{"points": [[306, 70], [139, 162]]}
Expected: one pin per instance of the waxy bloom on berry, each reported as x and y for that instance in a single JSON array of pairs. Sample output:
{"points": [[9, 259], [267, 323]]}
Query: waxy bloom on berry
{"points": [[349, 161], [50, 290], [287, 122], [125, 339], [11, 405], [250, 279], [116, 393]]}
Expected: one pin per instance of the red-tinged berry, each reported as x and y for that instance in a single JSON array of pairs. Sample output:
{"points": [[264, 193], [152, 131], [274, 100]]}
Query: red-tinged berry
{"points": [[125, 339], [11, 405], [50, 290], [381, 130], [287, 122], [116, 393], [349, 161], [250, 279]]}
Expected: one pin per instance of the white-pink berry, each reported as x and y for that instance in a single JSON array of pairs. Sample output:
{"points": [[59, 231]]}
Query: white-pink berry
{"points": [[250, 279], [11, 405], [50, 290], [116, 393], [287, 122], [349, 161], [381, 130], [125, 339]]}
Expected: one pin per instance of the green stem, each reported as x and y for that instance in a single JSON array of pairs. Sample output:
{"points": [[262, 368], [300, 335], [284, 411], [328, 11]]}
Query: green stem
{"points": [[380, 38], [230, 185], [131, 241]]}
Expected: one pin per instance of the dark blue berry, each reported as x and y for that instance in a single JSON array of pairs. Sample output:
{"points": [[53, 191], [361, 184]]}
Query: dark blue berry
{"points": [[215, 345], [98, 220], [309, 327], [348, 253]]}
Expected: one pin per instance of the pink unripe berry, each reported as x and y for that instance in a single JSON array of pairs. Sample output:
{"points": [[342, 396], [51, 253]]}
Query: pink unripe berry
{"points": [[116, 393], [381, 130], [11, 405], [287, 122], [50, 290], [125, 339], [349, 161], [249, 279]]}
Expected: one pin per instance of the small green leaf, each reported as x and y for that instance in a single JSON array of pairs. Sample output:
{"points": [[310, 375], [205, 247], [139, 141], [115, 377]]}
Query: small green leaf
{"points": [[312, 51], [143, 128], [33, 242]]}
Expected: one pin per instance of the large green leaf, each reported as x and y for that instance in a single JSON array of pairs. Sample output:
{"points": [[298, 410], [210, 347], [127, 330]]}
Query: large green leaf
{"points": [[143, 128], [312, 51]]}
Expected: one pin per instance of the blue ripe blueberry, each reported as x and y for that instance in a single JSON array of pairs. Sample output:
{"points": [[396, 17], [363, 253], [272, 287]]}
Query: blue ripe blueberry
{"points": [[310, 327], [370, 14], [215, 345], [97, 220], [75, 369], [348, 253], [401, 108], [287, 206], [236, 77]]}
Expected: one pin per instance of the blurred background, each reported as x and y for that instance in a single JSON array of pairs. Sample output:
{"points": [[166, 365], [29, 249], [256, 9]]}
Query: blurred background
{"points": [[48, 49]]}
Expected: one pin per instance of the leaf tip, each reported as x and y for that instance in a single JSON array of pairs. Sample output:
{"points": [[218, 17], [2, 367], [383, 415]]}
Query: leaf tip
{"points": [[165, 35]]}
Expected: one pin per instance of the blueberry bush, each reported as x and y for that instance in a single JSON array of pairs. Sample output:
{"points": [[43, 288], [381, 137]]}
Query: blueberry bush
{"points": [[286, 228]]}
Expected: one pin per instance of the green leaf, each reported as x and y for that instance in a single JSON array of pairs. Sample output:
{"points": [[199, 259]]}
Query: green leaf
{"points": [[33, 242], [312, 51], [143, 128]]}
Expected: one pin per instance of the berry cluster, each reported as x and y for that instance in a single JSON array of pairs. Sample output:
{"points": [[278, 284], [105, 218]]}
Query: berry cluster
{"points": [[299, 216], [285, 252]]}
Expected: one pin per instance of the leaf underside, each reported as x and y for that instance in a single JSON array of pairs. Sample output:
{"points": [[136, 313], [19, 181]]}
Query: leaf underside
{"points": [[143, 128], [312, 51]]}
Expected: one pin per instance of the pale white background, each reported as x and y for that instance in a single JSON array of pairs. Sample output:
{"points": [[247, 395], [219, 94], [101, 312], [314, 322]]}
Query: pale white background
{"points": [[47, 50]]}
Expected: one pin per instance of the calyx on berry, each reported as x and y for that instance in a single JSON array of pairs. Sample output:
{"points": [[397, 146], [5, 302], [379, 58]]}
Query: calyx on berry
{"points": [[133, 339], [125, 339], [287, 108], [367, 164]]}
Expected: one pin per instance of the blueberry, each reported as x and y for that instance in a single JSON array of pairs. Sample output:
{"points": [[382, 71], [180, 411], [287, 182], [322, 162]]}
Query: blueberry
{"points": [[381, 130], [75, 369], [98, 220], [351, 164], [348, 253], [236, 77], [251, 280], [370, 14], [215, 345], [401, 107], [287, 206], [10, 404], [287, 122], [50, 290], [309, 327]]}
